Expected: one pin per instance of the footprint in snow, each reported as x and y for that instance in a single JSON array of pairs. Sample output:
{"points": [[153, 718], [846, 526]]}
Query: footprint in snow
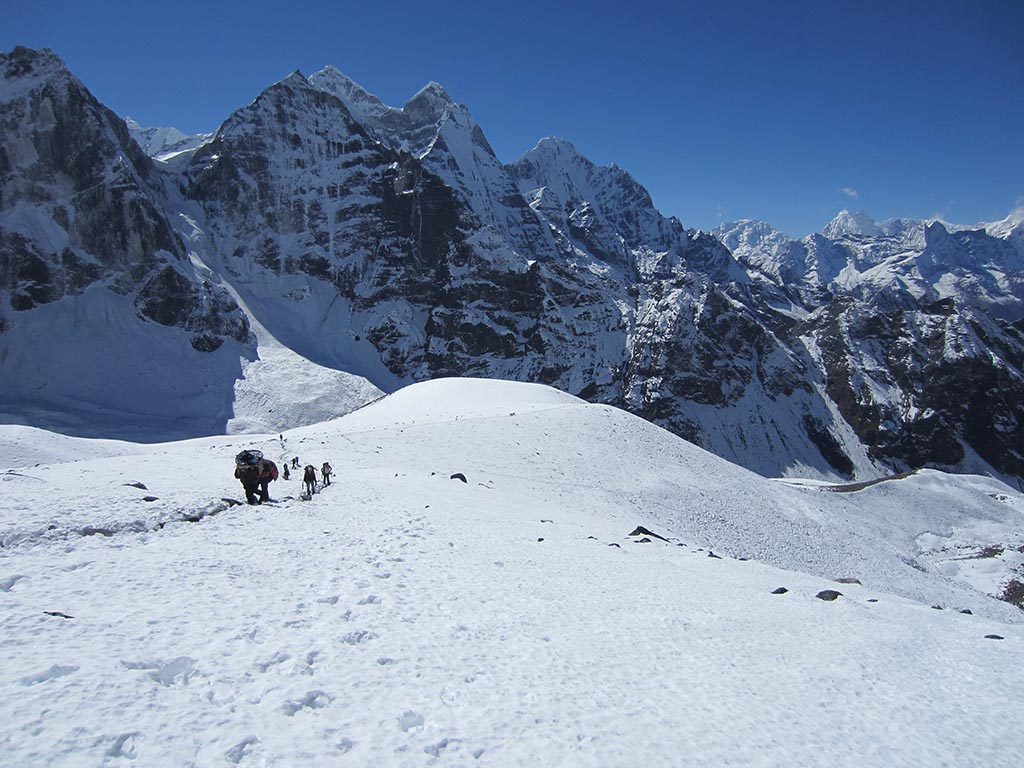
{"points": [[50, 674], [409, 720], [237, 752], [175, 672], [436, 749], [278, 658], [358, 637], [312, 700], [124, 746], [7, 584]]}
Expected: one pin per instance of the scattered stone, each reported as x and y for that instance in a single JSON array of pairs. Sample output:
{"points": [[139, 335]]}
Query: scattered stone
{"points": [[140, 486], [644, 540], [847, 580], [150, 498], [828, 594], [743, 559], [641, 531], [591, 538], [90, 531], [872, 599], [613, 544], [780, 591], [937, 607], [58, 614], [547, 521], [992, 550], [459, 476], [712, 554], [994, 637], [968, 611], [541, 539]]}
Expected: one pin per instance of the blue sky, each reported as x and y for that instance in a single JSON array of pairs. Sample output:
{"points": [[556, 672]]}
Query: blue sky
{"points": [[781, 111]]}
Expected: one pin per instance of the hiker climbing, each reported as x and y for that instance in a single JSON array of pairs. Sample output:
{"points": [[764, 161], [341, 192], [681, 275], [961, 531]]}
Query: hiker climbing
{"points": [[295, 462], [286, 474], [309, 479], [325, 471], [248, 471], [268, 474]]}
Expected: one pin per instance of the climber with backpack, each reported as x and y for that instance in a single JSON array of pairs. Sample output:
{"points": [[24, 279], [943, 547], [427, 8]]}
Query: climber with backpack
{"points": [[309, 479], [248, 470]]}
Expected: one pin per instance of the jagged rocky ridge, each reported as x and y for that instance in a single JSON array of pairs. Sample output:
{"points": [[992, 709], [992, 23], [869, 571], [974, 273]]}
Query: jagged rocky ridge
{"points": [[394, 244]]}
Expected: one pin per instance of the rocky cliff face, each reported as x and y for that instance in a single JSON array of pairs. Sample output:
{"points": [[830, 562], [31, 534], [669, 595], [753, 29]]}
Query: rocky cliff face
{"points": [[84, 214], [393, 244]]}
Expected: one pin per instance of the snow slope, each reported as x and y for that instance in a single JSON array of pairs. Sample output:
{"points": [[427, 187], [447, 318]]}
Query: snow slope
{"points": [[404, 617]]}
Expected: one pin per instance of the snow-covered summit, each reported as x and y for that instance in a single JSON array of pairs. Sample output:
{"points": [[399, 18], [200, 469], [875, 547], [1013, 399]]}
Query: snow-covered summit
{"points": [[25, 69], [164, 144], [360, 102], [847, 223], [430, 104]]}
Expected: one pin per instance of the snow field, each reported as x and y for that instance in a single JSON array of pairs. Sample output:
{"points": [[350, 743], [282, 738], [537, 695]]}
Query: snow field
{"points": [[401, 617]]}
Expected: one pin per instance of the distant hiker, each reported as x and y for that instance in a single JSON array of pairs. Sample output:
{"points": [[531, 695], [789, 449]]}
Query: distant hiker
{"points": [[286, 476], [309, 479], [247, 470], [295, 462], [268, 474], [326, 470]]}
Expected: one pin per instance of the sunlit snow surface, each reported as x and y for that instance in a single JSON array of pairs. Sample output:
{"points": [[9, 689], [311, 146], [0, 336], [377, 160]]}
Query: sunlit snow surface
{"points": [[402, 617]]}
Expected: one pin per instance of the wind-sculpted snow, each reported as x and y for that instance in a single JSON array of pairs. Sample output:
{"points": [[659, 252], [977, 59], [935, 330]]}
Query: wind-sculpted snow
{"points": [[402, 617]]}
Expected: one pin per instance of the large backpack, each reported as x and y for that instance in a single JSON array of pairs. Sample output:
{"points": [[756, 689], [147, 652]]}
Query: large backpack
{"points": [[249, 458]]}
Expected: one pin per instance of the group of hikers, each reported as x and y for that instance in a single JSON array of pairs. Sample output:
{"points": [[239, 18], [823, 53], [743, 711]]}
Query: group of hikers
{"points": [[256, 473]]}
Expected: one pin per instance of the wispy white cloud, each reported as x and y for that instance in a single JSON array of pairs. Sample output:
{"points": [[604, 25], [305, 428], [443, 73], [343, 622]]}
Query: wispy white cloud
{"points": [[851, 193]]}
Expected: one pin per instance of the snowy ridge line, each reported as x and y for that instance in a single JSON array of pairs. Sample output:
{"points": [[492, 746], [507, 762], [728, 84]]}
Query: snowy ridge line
{"points": [[854, 487]]}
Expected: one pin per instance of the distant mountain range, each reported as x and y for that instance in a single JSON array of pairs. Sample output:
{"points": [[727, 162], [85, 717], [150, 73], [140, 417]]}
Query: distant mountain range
{"points": [[140, 269]]}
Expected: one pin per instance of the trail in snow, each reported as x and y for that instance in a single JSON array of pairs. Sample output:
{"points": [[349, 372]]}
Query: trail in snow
{"points": [[401, 617]]}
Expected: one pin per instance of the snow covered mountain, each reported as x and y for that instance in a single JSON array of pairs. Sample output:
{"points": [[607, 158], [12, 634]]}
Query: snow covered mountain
{"points": [[391, 244], [403, 616], [918, 327], [164, 143]]}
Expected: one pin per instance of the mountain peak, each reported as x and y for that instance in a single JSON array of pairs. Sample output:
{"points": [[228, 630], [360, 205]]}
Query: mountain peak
{"points": [[434, 91], [558, 145], [847, 223], [359, 101], [24, 68], [296, 78], [429, 104]]}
